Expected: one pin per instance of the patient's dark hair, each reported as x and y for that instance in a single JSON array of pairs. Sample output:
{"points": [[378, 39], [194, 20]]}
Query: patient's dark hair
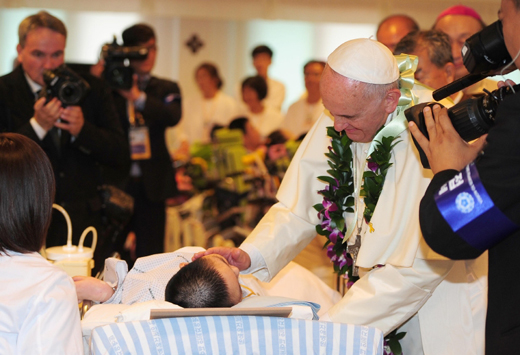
{"points": [[198, 285], [26, 194]]}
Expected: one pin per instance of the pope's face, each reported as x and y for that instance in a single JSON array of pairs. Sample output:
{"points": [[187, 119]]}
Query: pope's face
{"points": [[510, 17], [431, 75], [459, 28], [44, 49], [360, 117], [229, 274]]}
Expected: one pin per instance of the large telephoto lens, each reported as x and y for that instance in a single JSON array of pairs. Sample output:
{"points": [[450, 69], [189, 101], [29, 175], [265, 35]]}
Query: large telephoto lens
{"points": [[471, 118]]}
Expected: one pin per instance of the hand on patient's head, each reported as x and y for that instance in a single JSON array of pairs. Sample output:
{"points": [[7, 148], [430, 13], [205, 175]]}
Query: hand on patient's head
{"points": [[90, 288], [206, 282], [234, 256]]}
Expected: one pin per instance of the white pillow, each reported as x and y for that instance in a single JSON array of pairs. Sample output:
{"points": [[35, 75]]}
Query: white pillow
{"points": [[141, 310]]}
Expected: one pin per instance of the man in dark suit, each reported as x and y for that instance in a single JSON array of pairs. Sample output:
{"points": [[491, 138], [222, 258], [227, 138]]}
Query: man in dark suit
{"points": [[157, 104], [474, 205], [77, 139]]}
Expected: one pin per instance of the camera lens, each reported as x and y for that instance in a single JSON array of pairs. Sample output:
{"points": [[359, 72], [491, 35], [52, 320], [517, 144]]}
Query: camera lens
{"points": [[70, 93]]}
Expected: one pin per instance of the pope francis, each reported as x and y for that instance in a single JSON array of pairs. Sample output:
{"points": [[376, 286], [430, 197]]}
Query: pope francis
{"points": [[439, 303]]}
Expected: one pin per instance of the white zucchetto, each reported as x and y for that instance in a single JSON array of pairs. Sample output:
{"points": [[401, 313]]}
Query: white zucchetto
{"points": [[364, 60]]}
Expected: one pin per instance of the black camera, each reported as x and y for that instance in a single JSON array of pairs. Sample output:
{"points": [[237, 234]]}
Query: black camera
{"points": [[482, 54], [118, 72], [64, 84], [470, 118]]}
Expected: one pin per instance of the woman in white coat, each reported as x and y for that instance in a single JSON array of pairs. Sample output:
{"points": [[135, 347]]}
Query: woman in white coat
{"points": [[38, 306]]}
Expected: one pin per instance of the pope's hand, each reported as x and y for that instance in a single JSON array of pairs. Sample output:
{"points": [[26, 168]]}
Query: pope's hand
{"points": [[235, 256], [445, 149], [90, 288]]}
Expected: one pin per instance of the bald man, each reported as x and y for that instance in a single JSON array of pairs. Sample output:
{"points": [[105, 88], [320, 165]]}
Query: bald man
{"points": [[393, 28]]}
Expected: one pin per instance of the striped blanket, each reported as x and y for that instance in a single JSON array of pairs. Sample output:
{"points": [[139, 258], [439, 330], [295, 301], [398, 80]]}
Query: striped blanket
{"points": [[235, 335]]}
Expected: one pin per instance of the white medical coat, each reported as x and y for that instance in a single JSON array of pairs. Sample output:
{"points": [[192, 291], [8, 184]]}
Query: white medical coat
{"points": [[39, 311]]}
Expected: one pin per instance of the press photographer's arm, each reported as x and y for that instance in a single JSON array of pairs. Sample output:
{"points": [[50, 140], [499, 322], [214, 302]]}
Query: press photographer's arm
{"points": [[497, 171]]}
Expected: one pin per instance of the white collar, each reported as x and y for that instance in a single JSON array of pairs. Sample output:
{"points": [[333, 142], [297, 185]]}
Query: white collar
{"points": [[35, 87]]}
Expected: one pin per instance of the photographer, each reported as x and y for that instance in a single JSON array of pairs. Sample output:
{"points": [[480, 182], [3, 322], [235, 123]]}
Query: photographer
{"points": [[493, 182], [77, 138], [150, 105]]}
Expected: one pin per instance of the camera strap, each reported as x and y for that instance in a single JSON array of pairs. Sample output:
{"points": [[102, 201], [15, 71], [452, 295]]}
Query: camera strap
{"points": [[138, 135], [467, 208]]}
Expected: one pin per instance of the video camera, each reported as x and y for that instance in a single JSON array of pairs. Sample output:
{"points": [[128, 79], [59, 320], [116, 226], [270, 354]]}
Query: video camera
{"points": [[483, 54], [64, 84], [118, 72]]}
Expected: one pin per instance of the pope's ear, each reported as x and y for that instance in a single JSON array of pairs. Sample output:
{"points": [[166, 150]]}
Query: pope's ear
{"points": [[181, 265], [391, 100]]}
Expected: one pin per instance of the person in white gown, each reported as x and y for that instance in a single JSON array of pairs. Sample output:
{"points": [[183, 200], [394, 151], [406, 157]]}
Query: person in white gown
{"points": [[302, 114], [38, 309], [265, 118], [210, 107]]}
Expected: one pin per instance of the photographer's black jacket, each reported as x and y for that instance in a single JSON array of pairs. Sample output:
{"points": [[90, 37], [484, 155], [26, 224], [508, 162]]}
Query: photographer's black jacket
{"points": [[499, 170], [157, 183], [76, 167], [162, 109]]}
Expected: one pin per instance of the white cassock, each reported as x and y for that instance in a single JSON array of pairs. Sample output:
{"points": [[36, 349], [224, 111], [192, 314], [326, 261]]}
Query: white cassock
{"points": [[38, 307], [301, 116], [447, 299]]}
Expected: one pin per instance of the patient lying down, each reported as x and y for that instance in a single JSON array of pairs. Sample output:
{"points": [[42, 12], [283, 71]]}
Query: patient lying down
{"points": [[207, 282]]}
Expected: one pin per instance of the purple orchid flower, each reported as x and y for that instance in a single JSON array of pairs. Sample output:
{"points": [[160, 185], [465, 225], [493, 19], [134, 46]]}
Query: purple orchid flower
{"points": [[334, 235], [330, 252], [325, 224], [329, 206], [373, 166]]}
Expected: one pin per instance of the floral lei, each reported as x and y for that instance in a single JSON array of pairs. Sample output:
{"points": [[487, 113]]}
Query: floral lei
{"points": [[338, 194], [338, 199]]}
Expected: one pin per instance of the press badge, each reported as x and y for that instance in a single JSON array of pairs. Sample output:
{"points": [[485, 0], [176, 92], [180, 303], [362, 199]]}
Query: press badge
{"points": [[470, 212], [139, 138]]}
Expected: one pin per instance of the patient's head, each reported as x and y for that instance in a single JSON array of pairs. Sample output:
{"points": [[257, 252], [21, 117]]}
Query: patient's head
{"points": [[206, 282]]}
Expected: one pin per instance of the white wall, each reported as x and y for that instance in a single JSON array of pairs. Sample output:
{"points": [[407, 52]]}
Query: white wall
{"points": [[228, 36]]}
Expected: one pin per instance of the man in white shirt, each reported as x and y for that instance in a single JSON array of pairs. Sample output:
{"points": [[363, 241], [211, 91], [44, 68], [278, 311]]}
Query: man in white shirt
{"points": [[302, 114], [262, 59]]}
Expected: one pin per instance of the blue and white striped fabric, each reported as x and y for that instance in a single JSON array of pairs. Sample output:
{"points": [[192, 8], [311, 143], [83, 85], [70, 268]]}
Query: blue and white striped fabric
{"points": [[235, 335]]}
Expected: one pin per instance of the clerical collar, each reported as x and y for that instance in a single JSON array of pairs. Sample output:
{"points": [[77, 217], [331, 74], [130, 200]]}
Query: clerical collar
{"points": [[35, 87]]}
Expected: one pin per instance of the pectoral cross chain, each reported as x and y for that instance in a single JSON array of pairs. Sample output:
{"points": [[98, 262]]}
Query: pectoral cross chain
{"points": [[353, 250]]}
